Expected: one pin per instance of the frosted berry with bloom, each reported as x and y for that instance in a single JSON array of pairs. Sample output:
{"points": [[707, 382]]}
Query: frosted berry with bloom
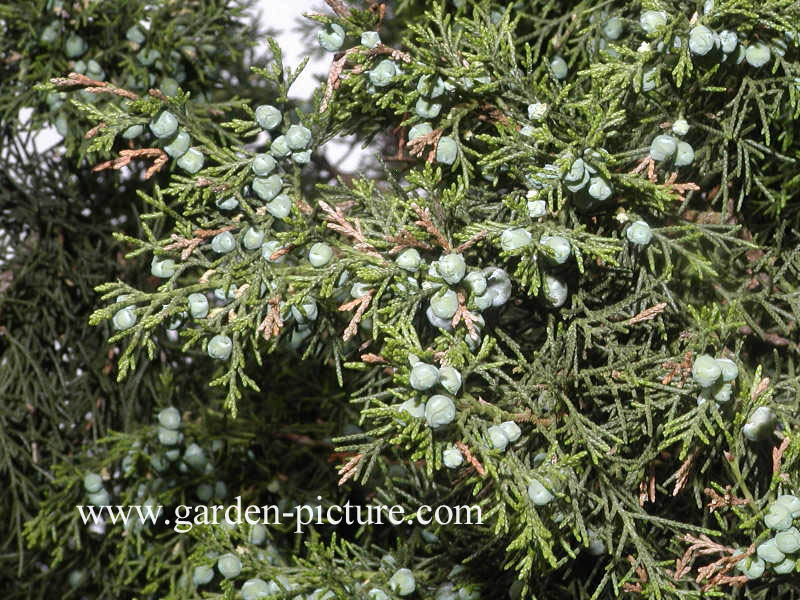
{"points": [[298, 137], [452, 268], [513, 239], [497, 437], [163, 268], [263, 164], [450, 378], [331, 37], [555, 290], [383, 73], [224, 242], [268, 117], [266, 188], [701, 40], [198, 305], [403, 582], [229, 566], [419, 130], [706, 370], [650, 20], [423, 376], [220, 347], [179, 145], [446, 150], [757, 55], [253, 238], [320, 254], [92, 483], [169, 418], [427, 109], [537, 208], [639, 233], [439, 410], [760, 425], [164, 125], [370, 39], [537, 111], [539, 494], [452, 457], [680, 127], [409, 259], [192, 161]]}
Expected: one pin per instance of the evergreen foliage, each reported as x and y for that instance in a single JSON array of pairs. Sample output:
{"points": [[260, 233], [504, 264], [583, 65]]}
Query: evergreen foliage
{"points": [[565, 291]]}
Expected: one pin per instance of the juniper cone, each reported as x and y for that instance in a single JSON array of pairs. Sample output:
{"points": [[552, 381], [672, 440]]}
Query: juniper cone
{"points": [[556, 283]]}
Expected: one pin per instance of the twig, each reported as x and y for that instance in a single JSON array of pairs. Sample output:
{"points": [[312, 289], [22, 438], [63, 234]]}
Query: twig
{"points": [[682, 474], [126, 156], [338, 7], [417, 145], [272, 323], [350, 468], [92, 86], [760, 388], [647, 314], [373, 359], [405, 240], [470, 242], [362, 303], [680, 189], [337, 222], [463, 313], [93, 131], [647, 489], [718, 501], [716, 572], [471, 459], [777, 455], [427, 224], [188, 245]]}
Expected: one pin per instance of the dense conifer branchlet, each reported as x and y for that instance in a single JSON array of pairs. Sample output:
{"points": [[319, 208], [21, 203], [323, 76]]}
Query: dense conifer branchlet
{"points": [[566, 294]]}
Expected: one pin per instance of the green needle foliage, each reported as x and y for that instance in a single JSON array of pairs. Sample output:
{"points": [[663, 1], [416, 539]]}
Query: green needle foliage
{"points": [[563, 293]]}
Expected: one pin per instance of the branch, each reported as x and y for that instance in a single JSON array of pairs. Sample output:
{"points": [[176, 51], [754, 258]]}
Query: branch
{"points": [[272, 323], [362, 303], [427, 224], [463, 313], [126, 156], [92, 86], [471, 459], [337, 222]]}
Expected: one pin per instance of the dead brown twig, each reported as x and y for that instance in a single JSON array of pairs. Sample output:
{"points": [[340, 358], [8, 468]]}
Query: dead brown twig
{"points": [[471, 459], [679, 189], [127, 156], [272, 323], [188, 245], [777, 455], [716, 573], [468, 317], [682, 474], [405, 240], [338, 222], [647, 488], [418, 144], [647, 314], [718, 501], [92, 86], [427, 224], [469, 243], [350, 468], [362, 303]]}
